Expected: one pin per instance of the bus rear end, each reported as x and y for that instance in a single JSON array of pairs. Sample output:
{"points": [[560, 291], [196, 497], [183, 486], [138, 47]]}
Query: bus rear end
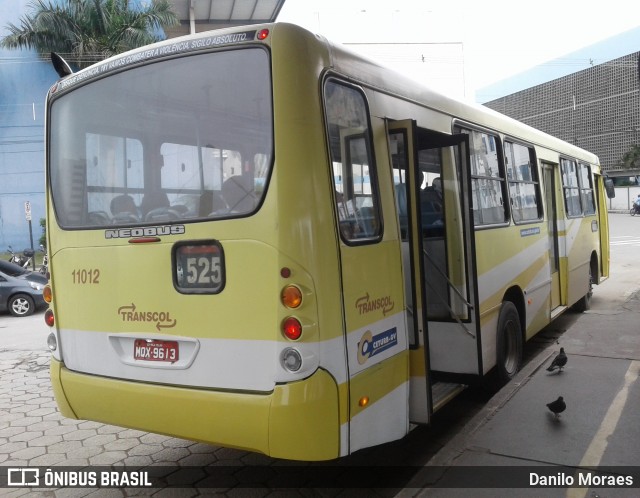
{"points": [[175, 309]]}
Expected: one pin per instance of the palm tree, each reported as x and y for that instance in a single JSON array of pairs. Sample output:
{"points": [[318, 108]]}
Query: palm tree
{"points": [[86, 31]]}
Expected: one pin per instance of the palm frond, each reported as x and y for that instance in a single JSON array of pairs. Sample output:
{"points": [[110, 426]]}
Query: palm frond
{"points": [[87, 29]]}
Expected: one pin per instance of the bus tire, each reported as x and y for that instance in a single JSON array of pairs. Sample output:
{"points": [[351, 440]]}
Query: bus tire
{"points": [[509, 343]]}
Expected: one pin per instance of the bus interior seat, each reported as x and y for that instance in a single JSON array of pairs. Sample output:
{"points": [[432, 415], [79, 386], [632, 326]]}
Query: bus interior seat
{"points": [[163, 214], [432, 210], [99, 218], [237, 192], [123, 208], [155, 201]]}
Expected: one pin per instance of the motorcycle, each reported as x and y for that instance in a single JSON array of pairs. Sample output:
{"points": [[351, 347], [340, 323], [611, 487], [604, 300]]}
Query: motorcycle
{"points": [[635, 209], [23, 259]]}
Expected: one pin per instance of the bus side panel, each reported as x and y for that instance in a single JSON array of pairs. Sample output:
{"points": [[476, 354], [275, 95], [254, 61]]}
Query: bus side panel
{"points": [[376, 419], [580, 239], [524, 265]]}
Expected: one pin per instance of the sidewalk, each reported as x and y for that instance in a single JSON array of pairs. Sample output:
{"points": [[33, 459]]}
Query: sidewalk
{"points": [[600, 427]]}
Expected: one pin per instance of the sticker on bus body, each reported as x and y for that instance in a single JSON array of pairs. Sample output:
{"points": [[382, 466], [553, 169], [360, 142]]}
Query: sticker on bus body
{"points": [[371, 345]]}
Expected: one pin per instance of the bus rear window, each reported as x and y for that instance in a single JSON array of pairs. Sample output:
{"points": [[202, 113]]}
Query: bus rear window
{"points": [[182, 139]]}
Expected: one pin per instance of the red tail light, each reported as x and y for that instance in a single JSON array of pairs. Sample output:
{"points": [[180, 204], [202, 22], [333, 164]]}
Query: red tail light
{"points": [[49, 319], [292, 328]]}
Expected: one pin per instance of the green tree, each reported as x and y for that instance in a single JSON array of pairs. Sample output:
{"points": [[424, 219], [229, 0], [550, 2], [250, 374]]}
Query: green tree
{"points": [[86, 31], [43, 237], [631, 158]]}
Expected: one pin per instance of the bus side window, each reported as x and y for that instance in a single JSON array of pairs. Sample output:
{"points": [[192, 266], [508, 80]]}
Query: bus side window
{"points": [[571, 187], [487, 179], [355, 180], [524, 188], [586, 189]]}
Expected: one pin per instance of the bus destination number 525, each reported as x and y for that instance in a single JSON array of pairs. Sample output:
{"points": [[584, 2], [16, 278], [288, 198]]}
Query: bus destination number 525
{"points": [[199, 268]]}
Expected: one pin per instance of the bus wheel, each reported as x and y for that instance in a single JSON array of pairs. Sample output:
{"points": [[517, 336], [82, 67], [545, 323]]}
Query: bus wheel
{"points": [[509, 343]]}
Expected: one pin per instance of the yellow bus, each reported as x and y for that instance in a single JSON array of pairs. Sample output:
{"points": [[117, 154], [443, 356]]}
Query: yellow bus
{"points": [[264, 241]]}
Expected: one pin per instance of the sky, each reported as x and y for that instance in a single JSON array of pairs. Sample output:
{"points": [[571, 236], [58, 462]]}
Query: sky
{"points": [[463, 46]]}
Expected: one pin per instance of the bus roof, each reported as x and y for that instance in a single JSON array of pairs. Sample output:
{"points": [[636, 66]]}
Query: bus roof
{"points": [[345, 62], [362, 70]]}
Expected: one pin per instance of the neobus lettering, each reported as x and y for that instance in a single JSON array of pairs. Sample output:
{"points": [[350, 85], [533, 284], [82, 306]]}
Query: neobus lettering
{"points": [[125, 233]]}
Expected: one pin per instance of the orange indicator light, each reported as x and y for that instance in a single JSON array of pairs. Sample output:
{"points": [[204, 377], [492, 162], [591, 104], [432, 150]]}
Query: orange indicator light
{"points": [[291, 296], [47, 294]]}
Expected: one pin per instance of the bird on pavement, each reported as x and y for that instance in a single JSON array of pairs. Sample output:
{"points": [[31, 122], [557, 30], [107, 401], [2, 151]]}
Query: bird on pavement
{"points": [[557, 406], [558, 362]]}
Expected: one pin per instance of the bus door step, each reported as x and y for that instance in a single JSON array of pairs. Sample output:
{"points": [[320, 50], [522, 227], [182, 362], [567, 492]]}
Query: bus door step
{"points": [[443, 392], [557, 311]]}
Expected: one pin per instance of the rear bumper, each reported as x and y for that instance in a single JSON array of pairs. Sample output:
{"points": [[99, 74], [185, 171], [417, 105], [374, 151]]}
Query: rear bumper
{"points": [[299, 421]]}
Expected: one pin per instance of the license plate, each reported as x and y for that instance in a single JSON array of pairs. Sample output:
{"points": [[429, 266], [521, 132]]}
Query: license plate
{"points": [[155, 350]]}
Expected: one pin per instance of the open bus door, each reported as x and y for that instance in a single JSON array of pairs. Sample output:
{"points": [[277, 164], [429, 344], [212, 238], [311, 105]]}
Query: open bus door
{"points": [[374, 322], [604, 187], [551, 208], [433, 197]]}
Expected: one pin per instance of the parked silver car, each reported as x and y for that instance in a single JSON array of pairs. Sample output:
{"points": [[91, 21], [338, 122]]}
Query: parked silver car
{"points": [[20, 289]]}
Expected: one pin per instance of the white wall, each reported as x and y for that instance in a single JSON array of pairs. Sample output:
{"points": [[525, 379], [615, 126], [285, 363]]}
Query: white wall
{"points": [[624, 198]]}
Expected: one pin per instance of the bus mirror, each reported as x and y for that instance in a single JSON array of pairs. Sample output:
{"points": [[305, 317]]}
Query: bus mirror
{"points": [[608, 186]]}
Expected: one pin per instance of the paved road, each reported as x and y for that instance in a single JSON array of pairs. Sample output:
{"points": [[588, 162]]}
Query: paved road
{"points": [[32, 433], [597, 435]]}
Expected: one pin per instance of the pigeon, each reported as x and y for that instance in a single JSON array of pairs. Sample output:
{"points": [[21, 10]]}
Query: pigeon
{"points": [[558, 362], [557, 406]]}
